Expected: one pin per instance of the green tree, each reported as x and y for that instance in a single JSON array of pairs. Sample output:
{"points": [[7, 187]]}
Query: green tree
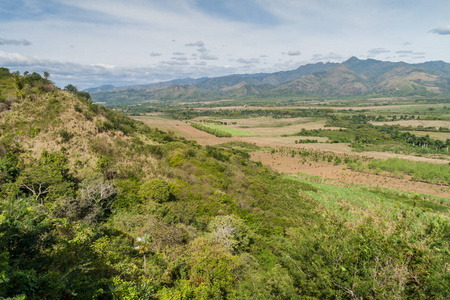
{"points": [[71, 88], [157, 190]]}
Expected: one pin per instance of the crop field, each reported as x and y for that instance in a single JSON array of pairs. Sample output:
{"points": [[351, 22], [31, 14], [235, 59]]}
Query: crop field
{"points": [[383, 162], [228, 130]]}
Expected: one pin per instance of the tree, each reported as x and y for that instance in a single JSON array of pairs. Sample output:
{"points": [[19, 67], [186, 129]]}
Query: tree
{"points": [[231, 232], [46, 75], [156, 189], [143, 245], [49, 175], [71, 88]]}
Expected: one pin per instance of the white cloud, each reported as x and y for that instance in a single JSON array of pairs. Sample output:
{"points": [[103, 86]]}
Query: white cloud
{"points": [[195, 44], [154, 54], [206, 56], [180, 58], [14, 42], [248, 61], [376, 51], [294, 53], [327, 57], [442, 30]]}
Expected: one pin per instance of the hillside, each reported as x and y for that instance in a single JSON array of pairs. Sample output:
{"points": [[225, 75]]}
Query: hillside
{"points": [[96, 205], [353, 77]]}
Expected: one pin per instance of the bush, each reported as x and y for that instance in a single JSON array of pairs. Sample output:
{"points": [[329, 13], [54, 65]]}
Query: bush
{"points": [[231, 232], [157, 190]]}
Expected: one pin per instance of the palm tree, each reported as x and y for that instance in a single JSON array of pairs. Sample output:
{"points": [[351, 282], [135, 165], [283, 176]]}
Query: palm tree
{"points": [[143, 245]]}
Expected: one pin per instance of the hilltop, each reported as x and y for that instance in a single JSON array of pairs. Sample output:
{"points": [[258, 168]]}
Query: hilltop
{"points": [[353, 77], [96, 205]]}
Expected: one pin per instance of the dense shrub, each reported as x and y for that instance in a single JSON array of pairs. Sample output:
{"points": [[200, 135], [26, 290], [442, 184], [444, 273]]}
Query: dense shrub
{"points": [[157, 190]]}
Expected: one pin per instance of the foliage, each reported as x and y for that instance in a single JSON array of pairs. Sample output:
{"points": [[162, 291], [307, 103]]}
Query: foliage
{"points": [[421, 171], [230, 232], [156, 190]]}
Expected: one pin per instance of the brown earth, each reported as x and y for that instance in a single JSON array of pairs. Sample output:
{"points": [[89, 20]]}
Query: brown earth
{"points": [[285, 163], [270, 137], [293, 165]]}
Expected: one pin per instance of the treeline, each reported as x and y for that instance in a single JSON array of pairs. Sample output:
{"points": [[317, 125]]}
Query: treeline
{"points": [[187, 114]]}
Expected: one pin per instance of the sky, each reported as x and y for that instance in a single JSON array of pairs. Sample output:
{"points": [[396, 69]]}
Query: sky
{"points": [[92, 43]]}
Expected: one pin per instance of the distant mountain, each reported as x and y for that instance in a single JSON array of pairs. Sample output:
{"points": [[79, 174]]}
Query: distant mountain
{"points": [[111, 88], [338, 80], [350, 78]]}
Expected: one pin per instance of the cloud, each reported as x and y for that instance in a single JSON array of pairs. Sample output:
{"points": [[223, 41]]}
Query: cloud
{"points": [[180, 58], [327, 57], [195, 44], [202, 50], [206, 56], [376, 51], [14, 42], [178, 53], [248, 61], [409, 53], [84, 75], [294, 53], [175, 62], [154, 54], [442, 30]]}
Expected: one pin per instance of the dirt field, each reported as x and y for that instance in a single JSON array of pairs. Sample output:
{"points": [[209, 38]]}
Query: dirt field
{"points": [[292, 165], [271, 137]]}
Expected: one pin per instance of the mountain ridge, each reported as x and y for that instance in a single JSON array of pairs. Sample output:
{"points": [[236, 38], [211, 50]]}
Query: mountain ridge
{"points": [[352, 77]]}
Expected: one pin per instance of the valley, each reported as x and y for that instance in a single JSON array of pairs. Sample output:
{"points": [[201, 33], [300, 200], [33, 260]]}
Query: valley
{"points": [[268, 133], [221, 199]]}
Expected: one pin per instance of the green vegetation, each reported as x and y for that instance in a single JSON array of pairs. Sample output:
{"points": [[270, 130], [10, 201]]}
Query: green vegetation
{"points": [[420, 171], [113, 209], [364, 136], [211, 130], [222, 130]]}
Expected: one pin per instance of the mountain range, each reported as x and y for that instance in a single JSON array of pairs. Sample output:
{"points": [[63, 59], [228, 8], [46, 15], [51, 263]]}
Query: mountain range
{"points": [[351, 78]]}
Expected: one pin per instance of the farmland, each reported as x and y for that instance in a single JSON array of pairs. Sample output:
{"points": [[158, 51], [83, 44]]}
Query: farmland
{"points": [[280, 131]]}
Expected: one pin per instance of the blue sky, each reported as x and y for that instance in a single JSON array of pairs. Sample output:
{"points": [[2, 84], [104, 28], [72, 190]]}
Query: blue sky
{"points": [[90, 43]]}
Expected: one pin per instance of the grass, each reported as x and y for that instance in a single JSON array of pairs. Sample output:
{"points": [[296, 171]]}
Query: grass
{"points": [[357, 202], [230, 130], [422, 171]]}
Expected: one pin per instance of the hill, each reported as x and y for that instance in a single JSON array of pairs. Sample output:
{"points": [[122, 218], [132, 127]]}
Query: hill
{"points": [[353, 77], [96, 205]]}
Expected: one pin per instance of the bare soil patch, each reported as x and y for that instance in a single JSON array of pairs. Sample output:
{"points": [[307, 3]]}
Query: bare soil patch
{"points": [[270, 137], [292, 165]]}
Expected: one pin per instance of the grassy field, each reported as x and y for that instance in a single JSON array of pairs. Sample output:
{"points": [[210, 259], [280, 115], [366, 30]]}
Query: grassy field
{"points": [[227, 129]]}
